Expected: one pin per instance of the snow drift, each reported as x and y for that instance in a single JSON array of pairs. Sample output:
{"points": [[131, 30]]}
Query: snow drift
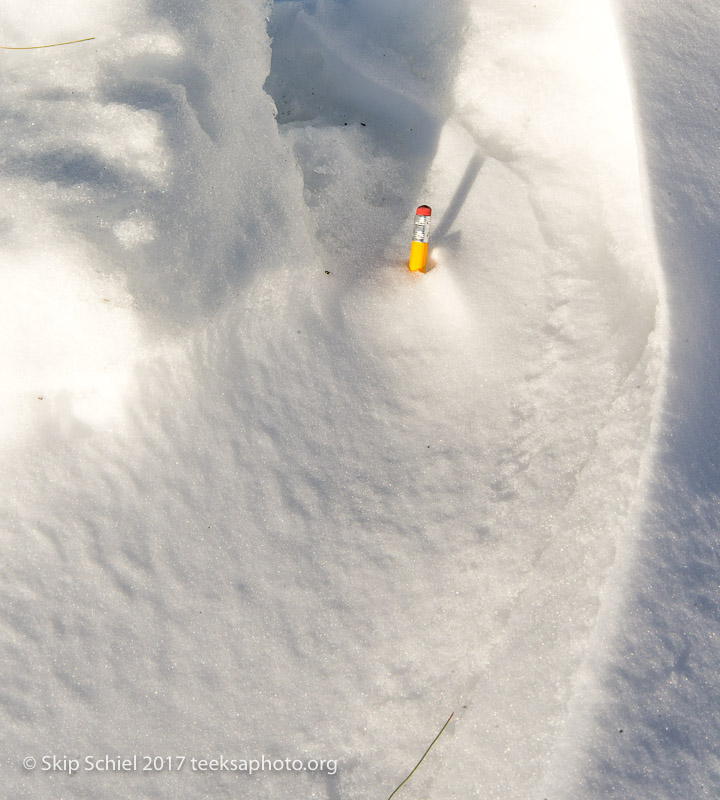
{"points": [[270, 493]]}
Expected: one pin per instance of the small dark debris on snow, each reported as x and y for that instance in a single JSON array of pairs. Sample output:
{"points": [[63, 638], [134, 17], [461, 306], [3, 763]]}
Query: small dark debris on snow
{"points": [[327, 271], [363, 124]]}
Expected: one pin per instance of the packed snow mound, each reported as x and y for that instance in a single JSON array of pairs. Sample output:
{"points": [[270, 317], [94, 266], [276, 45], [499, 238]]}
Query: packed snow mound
{"points": [[654, 729], [334, 501]]}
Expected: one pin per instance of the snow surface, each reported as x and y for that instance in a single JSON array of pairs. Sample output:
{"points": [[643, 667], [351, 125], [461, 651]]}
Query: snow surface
{"points": [[267, 492], [655, 731]]}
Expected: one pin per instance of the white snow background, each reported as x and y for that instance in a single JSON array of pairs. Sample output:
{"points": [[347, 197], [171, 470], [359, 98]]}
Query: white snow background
{"points": [[268, 493]]}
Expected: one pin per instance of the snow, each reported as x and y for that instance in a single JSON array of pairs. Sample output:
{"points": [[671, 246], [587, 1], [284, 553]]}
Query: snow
{"points": [[654, 730], [270, 494]]}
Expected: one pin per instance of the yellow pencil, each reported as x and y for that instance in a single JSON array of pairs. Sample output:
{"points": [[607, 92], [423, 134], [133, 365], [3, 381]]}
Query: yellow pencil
{"points": [[421, 235]]}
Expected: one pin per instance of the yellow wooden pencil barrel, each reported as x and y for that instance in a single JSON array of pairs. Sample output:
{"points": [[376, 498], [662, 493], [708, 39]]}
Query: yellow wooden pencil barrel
{"points": [[421, 235], [418, 256]]}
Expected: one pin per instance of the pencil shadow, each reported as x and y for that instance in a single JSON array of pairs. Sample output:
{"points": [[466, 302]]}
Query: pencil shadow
{"points": [[472, 170]]}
